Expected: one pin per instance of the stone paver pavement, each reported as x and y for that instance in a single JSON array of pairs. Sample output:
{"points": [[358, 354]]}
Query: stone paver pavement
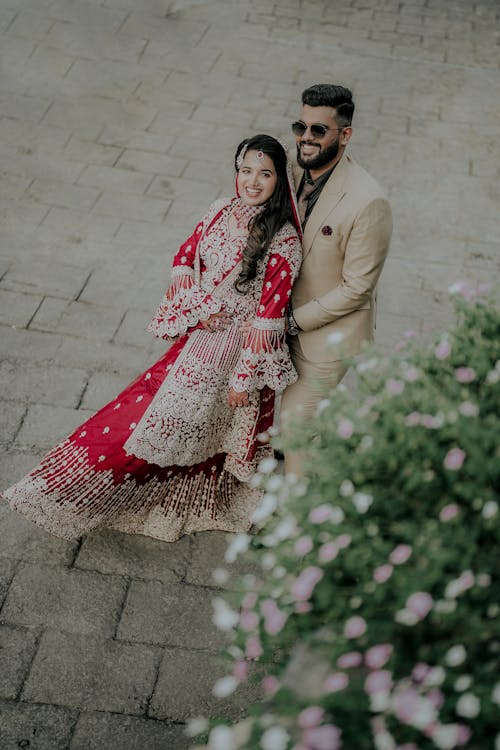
{"points": [[118, 121]]}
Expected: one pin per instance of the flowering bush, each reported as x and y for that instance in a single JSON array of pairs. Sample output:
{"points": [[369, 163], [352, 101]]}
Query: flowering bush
{"points": [[375, 618]]}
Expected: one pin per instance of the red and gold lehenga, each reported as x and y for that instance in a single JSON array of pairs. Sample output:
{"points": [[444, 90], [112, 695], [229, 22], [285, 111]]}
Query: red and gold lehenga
{"points": [[168, 456]]}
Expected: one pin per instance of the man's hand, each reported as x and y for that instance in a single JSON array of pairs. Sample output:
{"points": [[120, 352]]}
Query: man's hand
{"points": [[246, 327], [235, 399], [217, 322]]}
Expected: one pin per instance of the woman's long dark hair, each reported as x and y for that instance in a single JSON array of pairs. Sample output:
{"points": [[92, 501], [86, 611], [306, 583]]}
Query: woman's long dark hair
{"points": [[277, 210]]}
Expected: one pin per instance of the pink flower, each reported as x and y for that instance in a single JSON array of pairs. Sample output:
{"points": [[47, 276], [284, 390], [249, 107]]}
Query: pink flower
{"points": [[420, 604], [465, 374], [302, 608], [406, 746], [377, 656], [343, 540], [413, 419], [454, 459], [378, 682], [270, 685], [420, 671], [253, 648], [303, 546], [326, 737], [355, 627], [382, 573], [468, 409], [411, 374], [275, 619], [443, 350], [349, 660], [345, 429], [448, 512], [320, 514], [248, 620], [310, 717], [335, 682], [427, 420], [436, 697], [466, 580], [463, 734], [400, 554], [406, 704], [410, 333], [240, 670], [328, 552], [303, 586], [249, 600], [394, 387]]}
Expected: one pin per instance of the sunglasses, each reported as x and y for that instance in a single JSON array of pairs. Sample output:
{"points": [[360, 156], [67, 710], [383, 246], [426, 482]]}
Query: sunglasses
{"points": [[317, 130]]}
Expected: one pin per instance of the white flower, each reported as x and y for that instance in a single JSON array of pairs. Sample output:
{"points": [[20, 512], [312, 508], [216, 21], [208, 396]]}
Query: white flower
{"points": [[225, 686], [267, 465], [455, 656], [435, 677], [224, 617], [275, 482], [445, 736], [286, 528], [196, 726], [322, 405], [346, 488], [405, 617], [267, 506], [268, 561], [445, 606], [380, 701], [490, 509], [495, 696], [236, 546], [337, 515], [221, 738], [462, 683], [366, 442], [384, 741], [424, 715], [335, 338], [274, 738], [369, 364], [468, 706], [220, 576], [362, 501]]}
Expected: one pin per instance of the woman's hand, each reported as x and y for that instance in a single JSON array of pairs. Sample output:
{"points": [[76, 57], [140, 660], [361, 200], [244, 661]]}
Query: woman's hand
{"points": [[217, 322], [235, 399]]}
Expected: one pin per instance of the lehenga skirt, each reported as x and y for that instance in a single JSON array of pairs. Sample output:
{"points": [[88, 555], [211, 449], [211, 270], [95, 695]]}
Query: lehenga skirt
{"points": [[90, 480]]}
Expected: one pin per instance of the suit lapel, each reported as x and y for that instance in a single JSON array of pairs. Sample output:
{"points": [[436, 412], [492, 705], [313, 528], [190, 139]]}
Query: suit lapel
{"points": [[331, 194]]}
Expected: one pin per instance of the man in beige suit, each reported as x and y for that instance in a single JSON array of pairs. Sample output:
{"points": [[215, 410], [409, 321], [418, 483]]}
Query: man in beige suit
{"points": [[347, 228]]}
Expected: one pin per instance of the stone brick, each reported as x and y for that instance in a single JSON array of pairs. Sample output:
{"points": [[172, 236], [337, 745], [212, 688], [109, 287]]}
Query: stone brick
{"points": [[102, 388], [46, 385], [117, 180], [151, 163], [7, 569], [104, 356], [82, 671], [12, 416], [136, 207], [76, 228], [76, 318], [173, 615], [38, 727], [46, 276], [22, 540], [208, 550], [17, 309], [185, 683], [96, 731], [63, 195], [17, 647], [71, 600], [132, 329], [134, 555], [45, 425]]}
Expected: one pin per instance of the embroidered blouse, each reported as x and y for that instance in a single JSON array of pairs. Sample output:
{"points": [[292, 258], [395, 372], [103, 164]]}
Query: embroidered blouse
{"points": [[211, 256]]}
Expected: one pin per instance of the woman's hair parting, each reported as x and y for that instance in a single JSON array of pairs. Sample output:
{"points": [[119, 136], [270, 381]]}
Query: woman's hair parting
{"points": [[277, 210]]}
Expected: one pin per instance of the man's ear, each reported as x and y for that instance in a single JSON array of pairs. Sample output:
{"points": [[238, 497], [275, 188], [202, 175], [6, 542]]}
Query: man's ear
{"points": [[345, 136]]}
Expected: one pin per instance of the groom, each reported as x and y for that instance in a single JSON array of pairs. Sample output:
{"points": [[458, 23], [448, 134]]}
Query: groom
{"points": [[347, 226]]}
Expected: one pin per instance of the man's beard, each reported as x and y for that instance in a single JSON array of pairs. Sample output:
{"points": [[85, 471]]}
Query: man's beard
{"points": [[323, 158]]}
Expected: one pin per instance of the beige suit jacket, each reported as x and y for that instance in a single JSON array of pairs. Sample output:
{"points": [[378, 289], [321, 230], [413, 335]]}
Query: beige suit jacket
{"points": [[346, 240]]}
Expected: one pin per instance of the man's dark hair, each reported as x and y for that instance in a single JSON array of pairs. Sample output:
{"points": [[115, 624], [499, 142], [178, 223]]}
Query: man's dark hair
{"points": [[331, 95]]}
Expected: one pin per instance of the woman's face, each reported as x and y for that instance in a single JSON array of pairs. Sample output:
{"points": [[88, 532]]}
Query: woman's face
{"points": [[257, 178]]}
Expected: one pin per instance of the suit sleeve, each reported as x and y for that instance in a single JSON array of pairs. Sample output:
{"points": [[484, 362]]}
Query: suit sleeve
{"points": [[185, 303], [264, 358], [364, 258]]}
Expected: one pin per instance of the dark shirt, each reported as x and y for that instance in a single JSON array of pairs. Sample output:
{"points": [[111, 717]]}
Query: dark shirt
{"points": [[319, 184]]}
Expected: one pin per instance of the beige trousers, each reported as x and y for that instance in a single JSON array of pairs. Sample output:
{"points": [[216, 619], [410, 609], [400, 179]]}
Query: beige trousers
{"points": [[299, 400]]}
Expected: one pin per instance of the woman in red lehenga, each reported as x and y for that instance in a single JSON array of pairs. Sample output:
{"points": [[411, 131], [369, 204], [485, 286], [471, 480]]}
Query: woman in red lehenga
{"points": [[174, 453]]}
